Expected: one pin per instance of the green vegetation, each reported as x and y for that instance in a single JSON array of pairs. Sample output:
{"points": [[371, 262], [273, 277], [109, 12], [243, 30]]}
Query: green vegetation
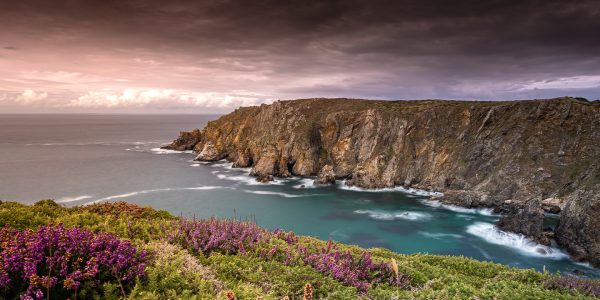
{"points": [[188, 261]]}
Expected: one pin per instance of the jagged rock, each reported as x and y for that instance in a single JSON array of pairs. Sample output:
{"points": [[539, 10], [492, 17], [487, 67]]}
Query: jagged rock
{"points": [[185, 141], [470, 199], [264, 178], [209, 153], [552, 205], [242, 160], [477, 153], [267, 164], [579, 226], [326, 176], [526, 218]]}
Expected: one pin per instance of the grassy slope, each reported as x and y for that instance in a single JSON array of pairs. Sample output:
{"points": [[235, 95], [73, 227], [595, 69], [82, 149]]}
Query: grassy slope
{"points": [[177, 273]]}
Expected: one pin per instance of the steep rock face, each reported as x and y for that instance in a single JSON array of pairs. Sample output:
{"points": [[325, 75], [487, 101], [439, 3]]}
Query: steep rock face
{"points": [[579, 227], [479, 154]]}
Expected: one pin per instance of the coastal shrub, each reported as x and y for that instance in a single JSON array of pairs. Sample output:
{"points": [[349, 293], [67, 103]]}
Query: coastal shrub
{"points": [[205, 259], [175, 274], [131, 211], [22, 216], [573, 284], [205, 236], [360, 272], [57, 262], [274, 279]]}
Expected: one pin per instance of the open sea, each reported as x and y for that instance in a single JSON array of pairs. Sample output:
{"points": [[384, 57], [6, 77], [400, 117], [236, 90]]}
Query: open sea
{"points": [[81, 159]]}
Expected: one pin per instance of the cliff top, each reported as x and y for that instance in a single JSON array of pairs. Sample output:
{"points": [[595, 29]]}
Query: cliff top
{"points": [[277, 265]]}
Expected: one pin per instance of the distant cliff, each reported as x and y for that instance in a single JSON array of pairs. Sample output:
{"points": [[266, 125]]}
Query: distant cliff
{"points": [[520, 157]]}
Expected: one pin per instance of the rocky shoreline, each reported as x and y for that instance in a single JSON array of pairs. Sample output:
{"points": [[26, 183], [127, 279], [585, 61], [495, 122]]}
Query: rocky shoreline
{"points": [[522, 158]]}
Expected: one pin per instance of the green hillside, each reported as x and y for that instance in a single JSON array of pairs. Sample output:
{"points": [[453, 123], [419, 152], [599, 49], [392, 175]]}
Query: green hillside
{"points": [[120, 250]]}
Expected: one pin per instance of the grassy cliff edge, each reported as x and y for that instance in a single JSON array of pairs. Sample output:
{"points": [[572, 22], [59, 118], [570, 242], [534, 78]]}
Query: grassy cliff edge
{"points": [[229, 259]]}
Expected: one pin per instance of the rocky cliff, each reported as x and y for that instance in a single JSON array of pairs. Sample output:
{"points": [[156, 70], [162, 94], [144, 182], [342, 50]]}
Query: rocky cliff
{"points": [[520, 157]]}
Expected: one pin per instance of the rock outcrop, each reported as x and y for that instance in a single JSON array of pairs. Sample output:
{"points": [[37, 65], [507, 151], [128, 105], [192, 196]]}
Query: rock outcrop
{"points": [[326, 176], [479, 154], [526, 218]]}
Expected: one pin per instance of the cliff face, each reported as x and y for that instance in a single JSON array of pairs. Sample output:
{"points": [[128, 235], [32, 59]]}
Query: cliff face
{"points": [[521, 157]]}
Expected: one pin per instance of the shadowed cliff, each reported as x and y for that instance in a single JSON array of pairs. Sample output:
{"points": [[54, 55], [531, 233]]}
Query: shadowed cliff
{"points": [[523, 158]]}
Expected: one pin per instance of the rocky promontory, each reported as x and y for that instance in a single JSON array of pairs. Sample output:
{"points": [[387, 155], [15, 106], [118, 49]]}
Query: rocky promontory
{"points": [[523, 158]]}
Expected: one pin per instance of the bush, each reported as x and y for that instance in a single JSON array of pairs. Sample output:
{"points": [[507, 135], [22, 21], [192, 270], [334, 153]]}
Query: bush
{"points": [[572, 284], [57, 262], [205, 236]]}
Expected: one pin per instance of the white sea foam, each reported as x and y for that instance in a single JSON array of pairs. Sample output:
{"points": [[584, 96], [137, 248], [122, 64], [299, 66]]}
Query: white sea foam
{"points": [[390, 216], [168, 151], [308, 183], [72, 199], [440, 235], [246, 179], [286, 195], [127, 195], [519, 242], [203, 188], [458, 209], [342, 185], [220, 164]]}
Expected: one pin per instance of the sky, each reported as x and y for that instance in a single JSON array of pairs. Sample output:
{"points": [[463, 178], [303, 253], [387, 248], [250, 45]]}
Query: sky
{"points": [[211, 56]]}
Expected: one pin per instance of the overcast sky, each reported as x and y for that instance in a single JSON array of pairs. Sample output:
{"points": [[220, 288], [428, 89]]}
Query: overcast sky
{"points": [[212, 56]]}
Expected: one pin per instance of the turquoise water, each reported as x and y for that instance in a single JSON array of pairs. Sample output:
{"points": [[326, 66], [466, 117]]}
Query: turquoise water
{"points": [[83, 159]]}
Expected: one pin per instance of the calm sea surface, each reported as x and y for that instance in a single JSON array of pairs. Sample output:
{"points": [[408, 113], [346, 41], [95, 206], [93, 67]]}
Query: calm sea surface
{"points": [[79, 159]]}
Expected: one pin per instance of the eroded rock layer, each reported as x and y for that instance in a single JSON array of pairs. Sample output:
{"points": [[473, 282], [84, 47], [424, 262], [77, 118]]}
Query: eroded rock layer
{"points": [[480, 154]]}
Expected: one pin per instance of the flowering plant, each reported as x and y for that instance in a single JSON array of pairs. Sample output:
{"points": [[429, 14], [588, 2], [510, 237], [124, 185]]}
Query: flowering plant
{"points": [[56, 261], [205, 236]]}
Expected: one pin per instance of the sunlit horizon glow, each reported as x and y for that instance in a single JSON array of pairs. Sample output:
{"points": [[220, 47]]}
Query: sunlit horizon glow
{"points": [[213, 56]]}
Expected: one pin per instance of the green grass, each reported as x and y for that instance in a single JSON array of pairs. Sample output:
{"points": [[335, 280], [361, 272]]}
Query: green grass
{"points": [[177, 273]]}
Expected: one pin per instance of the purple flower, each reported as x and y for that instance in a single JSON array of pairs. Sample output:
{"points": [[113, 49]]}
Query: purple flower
{"points": [[205, 236], [55, 257]]}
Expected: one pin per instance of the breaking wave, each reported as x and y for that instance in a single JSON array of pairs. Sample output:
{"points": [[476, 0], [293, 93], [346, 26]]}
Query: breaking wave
{"points": [[167, 151], [519, 242], [411, 191], [458, 209], [308, 183]]}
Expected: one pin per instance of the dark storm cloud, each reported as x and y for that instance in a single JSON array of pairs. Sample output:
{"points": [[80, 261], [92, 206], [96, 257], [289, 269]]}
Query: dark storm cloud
{"points": [[282, 49]]}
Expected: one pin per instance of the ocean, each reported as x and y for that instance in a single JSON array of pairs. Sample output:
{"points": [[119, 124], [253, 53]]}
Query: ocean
{"points": [[82, 159]]}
